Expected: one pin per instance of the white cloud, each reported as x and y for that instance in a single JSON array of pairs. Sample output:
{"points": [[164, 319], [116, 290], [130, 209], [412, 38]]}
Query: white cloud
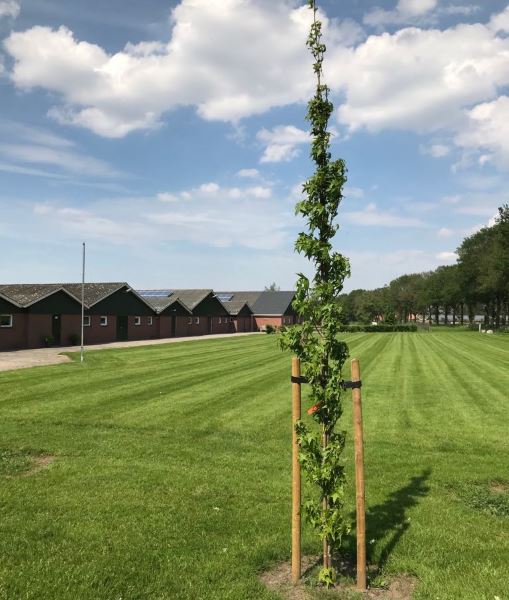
{"points": [[63, 159], [419, 79], [219, 216], [488, 129], [9, 8], [447, 256], [281, 143], [371, 216], [445, 232], [249, 173], [460, 9], [500, 22], [436, 150], [113, 94], [406, 11], [353, 192]]}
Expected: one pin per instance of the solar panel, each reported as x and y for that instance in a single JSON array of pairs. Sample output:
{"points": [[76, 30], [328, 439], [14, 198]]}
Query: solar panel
{"points": [[155, 293], [224, 297]]}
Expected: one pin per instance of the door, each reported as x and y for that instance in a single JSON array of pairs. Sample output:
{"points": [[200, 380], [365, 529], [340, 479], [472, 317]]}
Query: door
{"points": [[209, 324], [172, 326], [122, 329], [56, 329]]}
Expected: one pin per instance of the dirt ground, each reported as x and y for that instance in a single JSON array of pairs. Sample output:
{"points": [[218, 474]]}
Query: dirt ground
{"points": [[278, 579]]}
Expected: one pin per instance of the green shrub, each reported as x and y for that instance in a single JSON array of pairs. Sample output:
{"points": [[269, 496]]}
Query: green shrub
{"points": [[74, 339], [380, 328], [270, 329], [48, 340]]}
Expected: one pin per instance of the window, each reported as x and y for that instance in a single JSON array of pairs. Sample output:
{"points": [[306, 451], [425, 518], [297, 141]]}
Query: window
{"points": [[197, 320], [5, 320], [86, 321], [137, 320], [104, 321], [150, 320], [220, 321], [189, 320]]}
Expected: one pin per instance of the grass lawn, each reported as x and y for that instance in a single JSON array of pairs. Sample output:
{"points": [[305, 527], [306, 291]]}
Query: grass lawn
{"points": [[172, 471]]}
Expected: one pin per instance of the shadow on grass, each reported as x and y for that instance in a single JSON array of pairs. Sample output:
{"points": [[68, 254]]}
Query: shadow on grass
{"points": [[391, 519]]}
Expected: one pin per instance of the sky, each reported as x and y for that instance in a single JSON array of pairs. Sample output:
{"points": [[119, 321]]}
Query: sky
{"points": [[171, 136]]}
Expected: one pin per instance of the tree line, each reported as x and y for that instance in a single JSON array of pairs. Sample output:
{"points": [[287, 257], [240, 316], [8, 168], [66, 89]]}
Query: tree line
{"points": [[477, 284]]}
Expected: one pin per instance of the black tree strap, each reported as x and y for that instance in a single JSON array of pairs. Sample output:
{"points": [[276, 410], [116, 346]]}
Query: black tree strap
{"points": [[350, 385], [346, 385]]}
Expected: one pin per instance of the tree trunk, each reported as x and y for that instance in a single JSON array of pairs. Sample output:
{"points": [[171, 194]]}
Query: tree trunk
{"points": [[437, 314], [497, 313], [462, 313], [454, 316], [446, 315]]}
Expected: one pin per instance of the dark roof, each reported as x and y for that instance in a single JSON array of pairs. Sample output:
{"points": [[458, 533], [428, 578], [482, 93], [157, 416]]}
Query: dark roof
{"points": [[248, 297], [191, 298], [26, 294], [263, 303], [273, 303], [94, 292], [234, 307], [160, 303]]}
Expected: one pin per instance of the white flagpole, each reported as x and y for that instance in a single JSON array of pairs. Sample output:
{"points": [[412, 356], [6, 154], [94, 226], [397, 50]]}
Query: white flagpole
{"points": [[83, 305]]}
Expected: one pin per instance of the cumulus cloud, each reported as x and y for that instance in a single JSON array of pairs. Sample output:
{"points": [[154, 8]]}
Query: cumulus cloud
{"points": [[281, 143], [113, 94], [420, 79], [9, 8], [487, 130], [423, 80]]}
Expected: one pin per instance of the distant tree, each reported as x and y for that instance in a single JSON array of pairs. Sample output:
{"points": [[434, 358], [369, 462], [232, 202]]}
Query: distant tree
{"points": [[273, 287]]}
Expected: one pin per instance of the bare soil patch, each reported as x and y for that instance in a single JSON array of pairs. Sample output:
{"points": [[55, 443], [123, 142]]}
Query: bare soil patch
{"points": [[278, 579], [39, 463], [499, 487]]}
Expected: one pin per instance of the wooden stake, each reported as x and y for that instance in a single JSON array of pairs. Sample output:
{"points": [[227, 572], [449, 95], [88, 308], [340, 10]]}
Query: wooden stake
{"points": [[359, 479], [296, 492]]}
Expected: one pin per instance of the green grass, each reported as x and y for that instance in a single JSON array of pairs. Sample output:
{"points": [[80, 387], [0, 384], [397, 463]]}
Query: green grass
{"points": [[172, 472]]}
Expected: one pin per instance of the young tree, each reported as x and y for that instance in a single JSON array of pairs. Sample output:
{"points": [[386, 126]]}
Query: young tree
{"points": [[315, 341]]}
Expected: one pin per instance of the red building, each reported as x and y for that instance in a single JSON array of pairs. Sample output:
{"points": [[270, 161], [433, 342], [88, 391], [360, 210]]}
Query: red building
{"points": [[267, 308]]}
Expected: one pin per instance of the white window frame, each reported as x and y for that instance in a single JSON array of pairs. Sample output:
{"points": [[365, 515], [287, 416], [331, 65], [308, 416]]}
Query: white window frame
{"points": [[137, 321], [189, 320], [197, 320], [150, 320], [103, 321], [87, 321], [11, 321], [220, 320]]}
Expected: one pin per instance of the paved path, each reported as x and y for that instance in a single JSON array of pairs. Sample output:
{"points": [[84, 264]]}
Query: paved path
{"points": [[23, 359]]}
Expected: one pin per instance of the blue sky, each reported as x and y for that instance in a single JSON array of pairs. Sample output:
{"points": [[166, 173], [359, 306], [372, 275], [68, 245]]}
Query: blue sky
{"points": [[171, 136]]}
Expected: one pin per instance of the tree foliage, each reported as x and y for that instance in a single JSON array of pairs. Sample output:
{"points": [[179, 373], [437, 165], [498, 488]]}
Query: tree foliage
{"points": [[478, 282], [315, 341]]}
